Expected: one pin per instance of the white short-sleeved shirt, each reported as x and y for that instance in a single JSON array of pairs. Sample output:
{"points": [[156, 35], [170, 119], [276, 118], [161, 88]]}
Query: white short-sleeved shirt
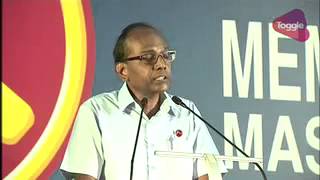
{"points": [[105, 130]]}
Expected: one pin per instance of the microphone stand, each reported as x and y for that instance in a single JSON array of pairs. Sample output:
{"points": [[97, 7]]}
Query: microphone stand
{"points": [[144, 101], [178, 101]]}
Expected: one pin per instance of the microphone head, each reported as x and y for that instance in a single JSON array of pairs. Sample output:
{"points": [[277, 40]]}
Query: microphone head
{"points": [[177, 100]]}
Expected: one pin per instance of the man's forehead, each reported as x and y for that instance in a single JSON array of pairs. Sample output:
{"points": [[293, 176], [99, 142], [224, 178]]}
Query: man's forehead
{"points": [[147, 36]]}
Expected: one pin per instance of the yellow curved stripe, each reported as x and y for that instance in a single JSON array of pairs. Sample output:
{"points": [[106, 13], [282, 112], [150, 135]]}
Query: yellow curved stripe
{"points": [[69, 97]]}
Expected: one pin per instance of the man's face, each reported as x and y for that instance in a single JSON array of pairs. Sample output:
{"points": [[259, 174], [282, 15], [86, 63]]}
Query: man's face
{"points": [[142, 78]]}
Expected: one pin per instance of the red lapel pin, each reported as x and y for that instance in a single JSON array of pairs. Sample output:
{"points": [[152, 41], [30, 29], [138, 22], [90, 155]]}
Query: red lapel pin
{"points": [[179, 133]]}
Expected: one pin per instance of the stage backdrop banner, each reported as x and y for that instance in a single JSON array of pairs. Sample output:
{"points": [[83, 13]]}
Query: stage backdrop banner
{"points": [[251, 67], [48, 60]]}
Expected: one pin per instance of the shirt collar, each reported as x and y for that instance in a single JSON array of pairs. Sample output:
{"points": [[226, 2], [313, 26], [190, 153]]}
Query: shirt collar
{"points": [[126, 102], [168, 105], [125, 99]]}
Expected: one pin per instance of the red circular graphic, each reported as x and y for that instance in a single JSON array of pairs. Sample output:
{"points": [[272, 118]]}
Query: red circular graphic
{"points": [[33, 62], [179, 133]]}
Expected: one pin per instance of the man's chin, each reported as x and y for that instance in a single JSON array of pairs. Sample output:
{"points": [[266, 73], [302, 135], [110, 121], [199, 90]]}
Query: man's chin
{"points": [[161, 89]]}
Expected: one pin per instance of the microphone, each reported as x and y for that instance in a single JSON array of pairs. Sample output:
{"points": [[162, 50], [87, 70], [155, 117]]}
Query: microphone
{"points": [[178, 101], [144, 102]]}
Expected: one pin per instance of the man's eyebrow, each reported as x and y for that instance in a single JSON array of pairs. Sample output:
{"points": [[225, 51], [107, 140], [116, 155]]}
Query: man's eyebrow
{"points": [[148, 51], [151, 50]]}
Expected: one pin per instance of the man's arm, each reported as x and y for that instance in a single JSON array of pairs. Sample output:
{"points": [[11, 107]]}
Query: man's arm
{"points": [[84, 177], [204, 177], [76, 176], [85, 139]]}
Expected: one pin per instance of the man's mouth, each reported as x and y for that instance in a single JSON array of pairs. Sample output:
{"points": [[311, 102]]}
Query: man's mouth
{"points": [[161, 78]]}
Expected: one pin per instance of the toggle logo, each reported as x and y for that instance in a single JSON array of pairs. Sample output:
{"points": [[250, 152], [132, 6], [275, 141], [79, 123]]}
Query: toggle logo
{"points": [[292, 24]]}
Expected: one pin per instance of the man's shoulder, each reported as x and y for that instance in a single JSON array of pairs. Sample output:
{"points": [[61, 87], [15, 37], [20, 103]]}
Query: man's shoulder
{"points": [[101, 98]]}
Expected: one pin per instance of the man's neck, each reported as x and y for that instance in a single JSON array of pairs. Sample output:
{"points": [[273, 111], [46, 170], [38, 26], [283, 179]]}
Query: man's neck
{"points": [[153, 105]]}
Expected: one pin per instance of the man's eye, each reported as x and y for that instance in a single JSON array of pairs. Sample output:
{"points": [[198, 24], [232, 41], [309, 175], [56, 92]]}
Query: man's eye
{"points": [[148, 57], [166, 55]]}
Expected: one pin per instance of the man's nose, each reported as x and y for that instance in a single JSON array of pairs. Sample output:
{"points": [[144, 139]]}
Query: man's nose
{"points": [[161, 63]]}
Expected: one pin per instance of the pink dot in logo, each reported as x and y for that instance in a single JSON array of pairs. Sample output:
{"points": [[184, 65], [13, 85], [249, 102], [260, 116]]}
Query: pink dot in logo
{"points": [[179, 133]]}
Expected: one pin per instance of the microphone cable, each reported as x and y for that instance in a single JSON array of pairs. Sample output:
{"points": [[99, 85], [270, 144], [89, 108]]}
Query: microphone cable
{"points": [[144, 101]]}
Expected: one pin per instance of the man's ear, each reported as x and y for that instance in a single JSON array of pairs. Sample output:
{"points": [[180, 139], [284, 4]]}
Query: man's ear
{"points": [[121, 69]]}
